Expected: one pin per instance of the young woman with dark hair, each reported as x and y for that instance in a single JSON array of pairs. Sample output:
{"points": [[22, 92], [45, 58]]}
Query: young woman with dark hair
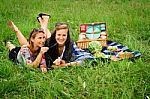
{"points": [[62, 50]]}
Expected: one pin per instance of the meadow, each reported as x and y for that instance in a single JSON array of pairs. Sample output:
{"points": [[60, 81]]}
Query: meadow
{"points": [[128, 23]]}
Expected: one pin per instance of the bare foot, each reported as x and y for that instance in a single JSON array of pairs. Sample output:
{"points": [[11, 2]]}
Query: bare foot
{"points": [[9, 45], [12, 26]]}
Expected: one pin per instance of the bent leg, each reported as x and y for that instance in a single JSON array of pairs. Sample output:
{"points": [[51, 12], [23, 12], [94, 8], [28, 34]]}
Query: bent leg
{"points": [[44, 25], [10, 46]]}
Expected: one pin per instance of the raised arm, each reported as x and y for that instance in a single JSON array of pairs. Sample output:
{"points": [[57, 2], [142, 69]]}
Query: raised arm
{"points": [[22, 40]]}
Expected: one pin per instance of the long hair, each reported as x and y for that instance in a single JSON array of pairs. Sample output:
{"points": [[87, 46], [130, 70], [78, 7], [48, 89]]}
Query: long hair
{"points": [[33, 34], [52, 43]]}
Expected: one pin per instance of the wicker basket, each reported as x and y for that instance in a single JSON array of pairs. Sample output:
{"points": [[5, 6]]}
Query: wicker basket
{"points": [[83, 44], [92, 32], [125, 55]]}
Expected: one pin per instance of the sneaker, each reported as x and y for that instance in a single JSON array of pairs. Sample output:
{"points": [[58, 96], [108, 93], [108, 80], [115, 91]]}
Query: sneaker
{"points": [[43, 20], [41, 15]]}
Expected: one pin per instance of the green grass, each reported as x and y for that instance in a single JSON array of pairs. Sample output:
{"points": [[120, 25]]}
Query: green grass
{"points": [[128, 23]]}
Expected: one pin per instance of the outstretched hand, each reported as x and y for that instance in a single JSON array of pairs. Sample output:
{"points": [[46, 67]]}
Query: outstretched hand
{"points": [[12, 26]]}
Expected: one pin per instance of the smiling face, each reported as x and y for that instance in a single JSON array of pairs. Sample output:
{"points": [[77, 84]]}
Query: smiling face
{"points": [[61, 36], [38, 40]]}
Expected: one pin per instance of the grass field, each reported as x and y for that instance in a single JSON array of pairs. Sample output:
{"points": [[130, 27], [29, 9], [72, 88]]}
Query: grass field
{"points": [[128, 23]]}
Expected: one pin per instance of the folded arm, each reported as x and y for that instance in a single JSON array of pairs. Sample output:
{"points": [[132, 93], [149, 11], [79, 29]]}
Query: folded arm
{"points": [[25, 57]]}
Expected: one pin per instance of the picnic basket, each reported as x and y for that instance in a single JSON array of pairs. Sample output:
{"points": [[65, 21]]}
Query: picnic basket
{"points": [[92, 32]]}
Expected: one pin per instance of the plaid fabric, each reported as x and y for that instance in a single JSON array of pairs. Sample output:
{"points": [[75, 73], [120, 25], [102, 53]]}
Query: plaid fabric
{"points": [[123, 48], [80, 55]]}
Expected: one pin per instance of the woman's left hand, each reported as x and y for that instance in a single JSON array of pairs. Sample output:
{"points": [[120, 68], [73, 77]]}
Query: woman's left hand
{"points": [[44, 49], [43, 68]]}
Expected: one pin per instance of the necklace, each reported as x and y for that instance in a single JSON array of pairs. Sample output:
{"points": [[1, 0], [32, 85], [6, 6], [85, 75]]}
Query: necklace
{"points": [[61, 56]]}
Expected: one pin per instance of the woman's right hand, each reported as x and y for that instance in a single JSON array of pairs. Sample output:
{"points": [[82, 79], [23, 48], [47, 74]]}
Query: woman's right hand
{"points": [[59, 62], [12, 26], [44, 49]]}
